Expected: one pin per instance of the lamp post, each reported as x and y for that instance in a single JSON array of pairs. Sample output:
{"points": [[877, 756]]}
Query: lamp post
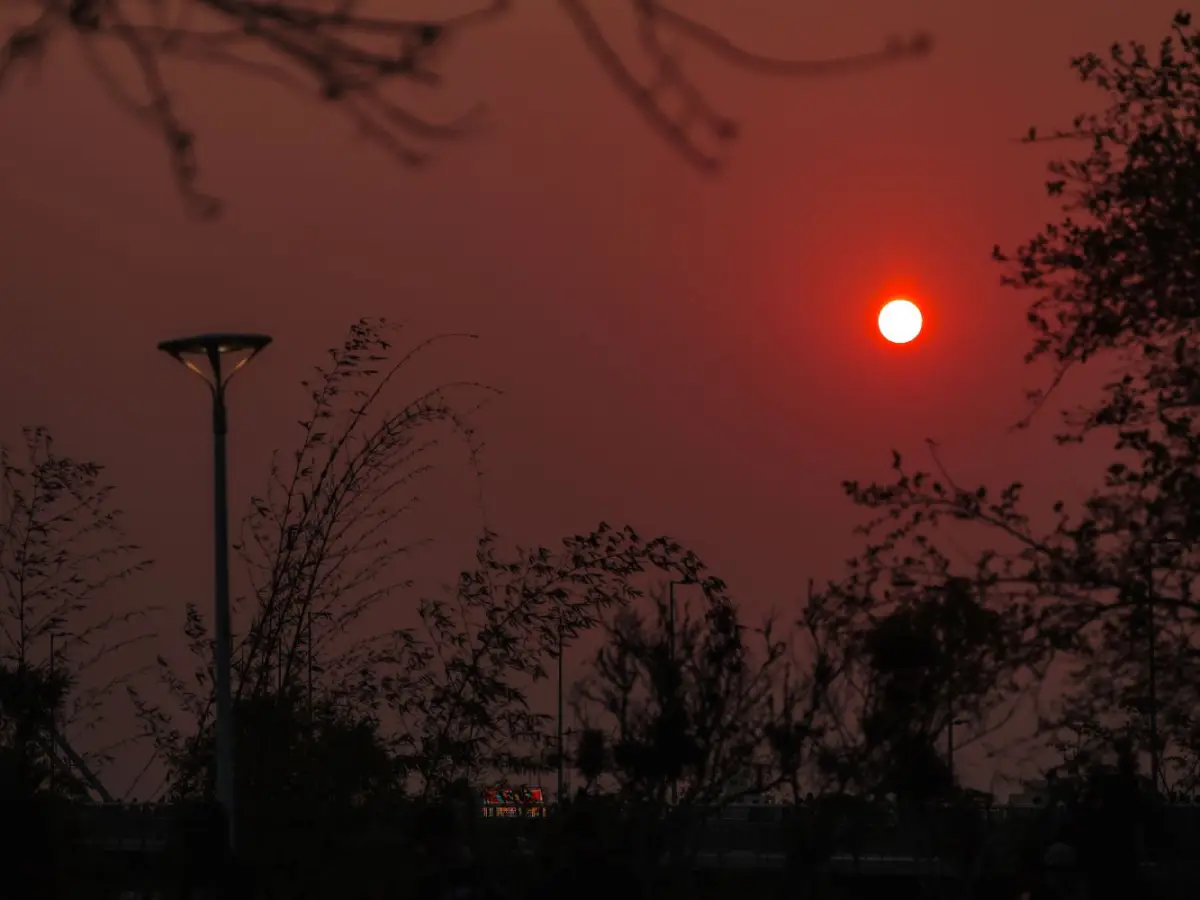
{"points": [[1150, 598], [671, 619], [1152, 648], [558, 795], [211, 349], [53, 715], [950, 723], [671, 651]]}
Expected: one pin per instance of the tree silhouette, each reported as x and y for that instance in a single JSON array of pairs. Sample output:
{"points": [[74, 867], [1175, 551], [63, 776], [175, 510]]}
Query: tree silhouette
{"points": [[464, 697], [1114, 282], [674, 730], [1106, 586], [61, 549], [696, 729], [62, 553], [921, 661], [364, 62]]}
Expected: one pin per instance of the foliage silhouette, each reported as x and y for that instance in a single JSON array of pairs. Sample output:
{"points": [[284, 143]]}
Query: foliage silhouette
{"points": [[360, 61], [911, 650], [321, 556], [1115, 282], [62, 554], [1106, 587], [465, 702], [697, 723], [62, 549], [1103, 589], [676, 730]]}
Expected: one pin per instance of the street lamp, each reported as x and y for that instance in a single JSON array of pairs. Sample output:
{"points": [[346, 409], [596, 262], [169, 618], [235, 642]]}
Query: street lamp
{"points": [[1149, 597], [210, 350]]}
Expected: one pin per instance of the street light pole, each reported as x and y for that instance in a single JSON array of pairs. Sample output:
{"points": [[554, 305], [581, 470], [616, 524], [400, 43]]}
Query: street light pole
{"points": [[950, 746], [308, 652], [671, 652], [224, 637], [53, 717], [558, 796], [212, 348], [671, 618], [1152, 662], [1151, 600]]}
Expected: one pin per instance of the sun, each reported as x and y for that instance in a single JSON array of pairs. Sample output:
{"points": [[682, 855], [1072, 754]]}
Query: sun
{"points": [[900, 321]]}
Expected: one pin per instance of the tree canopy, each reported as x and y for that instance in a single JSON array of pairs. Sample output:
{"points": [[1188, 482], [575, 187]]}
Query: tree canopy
{"points": [[1107, 586]]}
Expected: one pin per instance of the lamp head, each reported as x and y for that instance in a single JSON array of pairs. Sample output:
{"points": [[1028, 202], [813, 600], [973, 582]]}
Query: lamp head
{"points": [[213, 348]]}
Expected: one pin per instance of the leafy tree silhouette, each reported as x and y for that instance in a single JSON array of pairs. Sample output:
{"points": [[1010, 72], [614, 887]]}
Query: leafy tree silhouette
{"points": [[919, 668], [698, 723], [62, 549], [1106, 587], [902, 657], [675, 737], [359, 60]]}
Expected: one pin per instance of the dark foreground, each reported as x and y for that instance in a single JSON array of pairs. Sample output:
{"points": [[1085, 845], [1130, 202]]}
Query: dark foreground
{"points": [[166, 854]]}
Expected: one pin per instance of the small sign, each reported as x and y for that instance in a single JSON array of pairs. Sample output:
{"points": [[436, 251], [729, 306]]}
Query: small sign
{"points": [[513, 803]]}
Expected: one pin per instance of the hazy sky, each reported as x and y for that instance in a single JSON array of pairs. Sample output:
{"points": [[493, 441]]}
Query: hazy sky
{"points": [[693, 356]]}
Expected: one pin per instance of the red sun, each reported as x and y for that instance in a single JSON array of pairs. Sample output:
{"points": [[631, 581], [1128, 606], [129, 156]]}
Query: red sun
{"points": [[900, 321]]}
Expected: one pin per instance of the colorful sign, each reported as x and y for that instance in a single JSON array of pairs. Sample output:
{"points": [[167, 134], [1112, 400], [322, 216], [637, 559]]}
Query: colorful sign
{"points": [[513, 803]]}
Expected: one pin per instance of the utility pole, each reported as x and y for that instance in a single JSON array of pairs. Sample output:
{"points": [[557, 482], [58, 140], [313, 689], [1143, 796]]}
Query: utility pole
{"points": [[309, 653], [671, 656], [950, 747], [671, 619], [947, 593], [1152, 664], [53, 720], [558, 796]]}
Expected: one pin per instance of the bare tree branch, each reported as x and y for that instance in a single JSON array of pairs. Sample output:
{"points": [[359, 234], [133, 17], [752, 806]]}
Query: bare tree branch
{"points": [[363, 63]]}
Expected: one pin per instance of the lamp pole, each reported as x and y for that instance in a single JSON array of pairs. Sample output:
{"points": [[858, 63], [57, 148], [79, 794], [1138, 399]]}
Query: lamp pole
{"points": [[558, 796], [1151, 600], [224, 637], [671, 652], [53, 717], [308, 640], [950, 736], [1152, 664], [671, 618], [211, 348], [950, 723]]}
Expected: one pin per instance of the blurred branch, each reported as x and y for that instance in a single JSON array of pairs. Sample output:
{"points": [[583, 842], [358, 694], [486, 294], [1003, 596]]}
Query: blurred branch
{"points": [[332, 49]]}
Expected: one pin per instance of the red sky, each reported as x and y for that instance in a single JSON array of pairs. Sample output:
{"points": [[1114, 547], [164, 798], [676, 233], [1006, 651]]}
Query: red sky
{"points": [[690, 355]]}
